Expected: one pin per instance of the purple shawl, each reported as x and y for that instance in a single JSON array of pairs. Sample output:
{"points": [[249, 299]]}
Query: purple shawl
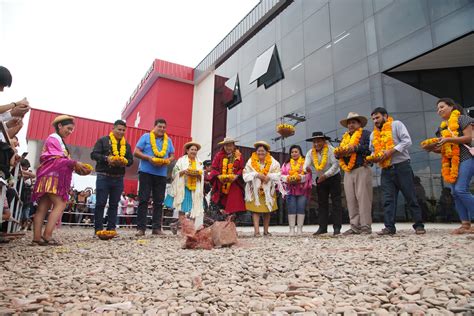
{"points": [[54, 174]]}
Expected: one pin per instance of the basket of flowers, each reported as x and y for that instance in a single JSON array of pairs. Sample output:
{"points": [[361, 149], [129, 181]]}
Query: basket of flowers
{"points": [[194, 172], [430, 143], [294, 178], [374, 157], [286, 130], [161, 161], [119, 159], [106, 234], [226, 177]]}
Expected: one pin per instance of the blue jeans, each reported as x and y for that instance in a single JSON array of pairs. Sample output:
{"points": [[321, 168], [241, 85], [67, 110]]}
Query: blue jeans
{"points": [[399, 177], [463, 199], [296, 204], [110, 188]]}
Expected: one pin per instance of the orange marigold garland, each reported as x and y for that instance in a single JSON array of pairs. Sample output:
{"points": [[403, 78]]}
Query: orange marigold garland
{"points": [[450, 152], [349, 140], [256, 163], [382, 141], [295, 172], [320, 166], [228, 172], [192, 179]]}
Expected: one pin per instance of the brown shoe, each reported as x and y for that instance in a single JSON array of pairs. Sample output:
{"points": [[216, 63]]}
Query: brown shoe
{"points": [[157, 232], [140, 233]]}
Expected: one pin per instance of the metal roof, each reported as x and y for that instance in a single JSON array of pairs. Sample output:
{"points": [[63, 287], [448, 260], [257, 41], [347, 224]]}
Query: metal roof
{"points": [[87, 131]]}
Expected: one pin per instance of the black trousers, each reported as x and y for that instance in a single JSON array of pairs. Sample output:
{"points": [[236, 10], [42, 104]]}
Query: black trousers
{"points": [[332, 187], [156, 186]]}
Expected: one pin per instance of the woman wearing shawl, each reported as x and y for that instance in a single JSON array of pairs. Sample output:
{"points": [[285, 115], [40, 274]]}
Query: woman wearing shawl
{"points": [[54, 180], [187, 189], [261, 175]]}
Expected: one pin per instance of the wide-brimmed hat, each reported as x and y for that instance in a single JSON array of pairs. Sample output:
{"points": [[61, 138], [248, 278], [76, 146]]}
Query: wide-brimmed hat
{"points": [[354, 116], [227, 140], [61, 118], [318, 135], [262, 143], [191, 143]]}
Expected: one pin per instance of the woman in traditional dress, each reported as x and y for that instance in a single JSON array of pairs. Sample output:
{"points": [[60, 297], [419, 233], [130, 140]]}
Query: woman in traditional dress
{"points": [[297, 185], [226, 180], [54, 180], [262, 176], [457, 161], [187, 189]]}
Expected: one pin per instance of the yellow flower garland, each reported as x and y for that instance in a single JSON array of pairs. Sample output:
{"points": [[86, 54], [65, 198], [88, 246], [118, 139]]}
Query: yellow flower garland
{"points": [[164, 148], [429, 142], [227, 173], [295, 171], [255, 162], [348, 140], [191, 183], [450, 152], [320, 166], [118, 155], [382, 141]]}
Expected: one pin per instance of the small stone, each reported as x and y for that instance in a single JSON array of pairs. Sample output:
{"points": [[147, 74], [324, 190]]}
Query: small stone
{"points": [[413, 289], [289, 309], [428, 292], [32, 307], [201, 310], [279, 288], [188, 310]]}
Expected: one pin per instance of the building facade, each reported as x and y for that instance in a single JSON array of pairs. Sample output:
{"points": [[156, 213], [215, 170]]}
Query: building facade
{"points": [[310, 62]]}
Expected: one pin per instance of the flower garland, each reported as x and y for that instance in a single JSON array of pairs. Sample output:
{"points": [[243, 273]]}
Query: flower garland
{"points": [[228, 171], [164, 148], [255, 162], [382, 141], [320, 166], [296, 171], [348, 140], [450, 152], [429, 142], [192, 180], [116, 154]]}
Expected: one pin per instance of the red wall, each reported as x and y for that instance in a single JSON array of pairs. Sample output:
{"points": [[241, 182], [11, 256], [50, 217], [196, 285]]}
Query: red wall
{"points": [[168, 99]]}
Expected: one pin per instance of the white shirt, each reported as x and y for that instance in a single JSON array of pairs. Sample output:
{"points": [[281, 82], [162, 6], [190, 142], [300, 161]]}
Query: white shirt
{"points": [[332, 165]]}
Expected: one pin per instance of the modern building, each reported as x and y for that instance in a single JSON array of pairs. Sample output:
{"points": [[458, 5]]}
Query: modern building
{"points": [[310, 62]]}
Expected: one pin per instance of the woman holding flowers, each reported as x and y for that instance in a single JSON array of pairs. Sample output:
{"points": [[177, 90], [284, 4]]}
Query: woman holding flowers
{"points": [[53, 182], [112, 154], [186, 192], [226, 179], [261, 175], [297, 185], [457, 162]]}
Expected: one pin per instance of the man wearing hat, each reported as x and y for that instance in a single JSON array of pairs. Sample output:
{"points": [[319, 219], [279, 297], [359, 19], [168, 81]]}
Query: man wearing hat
{"points": [[226, 178], [112, 154], [321, 161], [357, 175], [155, 151]]}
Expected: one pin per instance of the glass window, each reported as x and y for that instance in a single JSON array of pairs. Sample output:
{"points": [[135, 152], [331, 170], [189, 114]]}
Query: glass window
{"points": [[351, 75], [324, 122], [291, 17], [231, 92], [399, 20], [380, 4], [440, 8], [248, 52], [355, 98], [294, 81], [411, 46], [265, 98], [344, 15], [316, 30], [264, 117], [267, 69], [318, 66], [320, 90], [292, 48], [453, 26], [245, 86], [321, 106], [247, 107], [266, 37], [376, 90], [311, 6], [368, 8], [349, 47], [293, 103], [401, 97]]}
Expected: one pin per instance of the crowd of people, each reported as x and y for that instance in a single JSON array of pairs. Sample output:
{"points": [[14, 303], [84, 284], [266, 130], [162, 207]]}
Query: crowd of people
{"points": [[238, 185]]}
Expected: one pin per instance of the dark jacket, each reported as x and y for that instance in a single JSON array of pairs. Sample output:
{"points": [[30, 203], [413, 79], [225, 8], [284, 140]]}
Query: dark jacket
{"points": [[103, 149], [362, 149]]}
